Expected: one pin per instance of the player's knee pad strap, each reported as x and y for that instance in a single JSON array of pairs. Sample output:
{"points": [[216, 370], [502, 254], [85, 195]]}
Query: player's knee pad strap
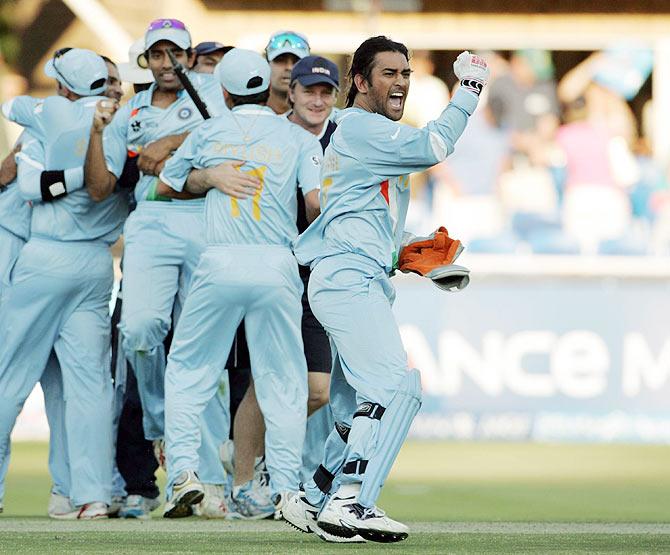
{"points": [[393, 429], [370, 410], [355, 467], [323, 479], [343, 431]]}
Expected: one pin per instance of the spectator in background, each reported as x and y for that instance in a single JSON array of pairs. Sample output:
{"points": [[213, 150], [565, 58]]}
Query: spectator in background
{"points": [[429, 97], [524, 102], [207, 55]]}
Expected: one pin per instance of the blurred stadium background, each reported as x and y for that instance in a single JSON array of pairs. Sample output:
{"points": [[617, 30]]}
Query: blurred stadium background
{"points": [[560, 191]]}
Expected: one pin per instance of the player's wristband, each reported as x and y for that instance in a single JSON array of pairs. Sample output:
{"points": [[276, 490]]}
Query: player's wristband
{"points": [[55, 184], [472, 85], [153, 195]]}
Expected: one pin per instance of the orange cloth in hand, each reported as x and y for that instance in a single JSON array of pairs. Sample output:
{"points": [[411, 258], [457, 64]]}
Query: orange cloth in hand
{"points": [[423, 256]]}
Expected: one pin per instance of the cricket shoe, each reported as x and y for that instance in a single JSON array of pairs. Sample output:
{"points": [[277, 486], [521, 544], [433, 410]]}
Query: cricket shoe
{"points": [[59, 506], [250, 503], [302, 515], [139, 507], [186, 492], [343, 516], [89, 511], [159, 452], [214, 504]]}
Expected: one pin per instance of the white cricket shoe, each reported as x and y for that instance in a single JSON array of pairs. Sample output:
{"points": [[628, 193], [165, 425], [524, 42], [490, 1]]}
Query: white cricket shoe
{"points": [[88, 511], [137, 506], [250, 503], [343, 516], [302, 515], [59, 506], [214, 503], [186, 492]]}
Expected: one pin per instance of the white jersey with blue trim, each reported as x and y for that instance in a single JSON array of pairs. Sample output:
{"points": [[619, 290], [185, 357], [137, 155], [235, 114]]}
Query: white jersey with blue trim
{"points": [[365, 180], [64, 127], [139, 123], [283, 156]]}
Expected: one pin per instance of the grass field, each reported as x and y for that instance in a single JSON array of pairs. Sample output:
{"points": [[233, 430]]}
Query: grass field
{"points": [[456, 497]]}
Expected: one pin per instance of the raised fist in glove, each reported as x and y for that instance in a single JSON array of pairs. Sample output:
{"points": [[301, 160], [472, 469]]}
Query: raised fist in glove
{"points": [[472, 71]]}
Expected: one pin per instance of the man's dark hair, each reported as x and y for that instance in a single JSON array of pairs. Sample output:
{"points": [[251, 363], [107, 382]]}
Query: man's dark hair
{"points": [[258, 98], [364, 59], [107, 60]]}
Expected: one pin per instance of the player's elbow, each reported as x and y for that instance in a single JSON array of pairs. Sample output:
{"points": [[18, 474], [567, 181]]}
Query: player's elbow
{"points": [[97, 193]]}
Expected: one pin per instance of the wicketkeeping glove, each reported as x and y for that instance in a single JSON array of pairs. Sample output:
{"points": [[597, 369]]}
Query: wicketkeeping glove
{"points": [[433, 257], [472, 71]]}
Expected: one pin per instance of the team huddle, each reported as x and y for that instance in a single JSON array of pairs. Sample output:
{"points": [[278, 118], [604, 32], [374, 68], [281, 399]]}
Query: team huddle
{"points": [[252, 350]]}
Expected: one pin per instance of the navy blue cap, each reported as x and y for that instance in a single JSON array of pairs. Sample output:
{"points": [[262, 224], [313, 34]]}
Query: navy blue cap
{"points": [[209, 47], [311, 70]]}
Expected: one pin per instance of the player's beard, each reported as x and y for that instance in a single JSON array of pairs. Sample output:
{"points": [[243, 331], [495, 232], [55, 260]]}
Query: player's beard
{"points": [[381, 103]]}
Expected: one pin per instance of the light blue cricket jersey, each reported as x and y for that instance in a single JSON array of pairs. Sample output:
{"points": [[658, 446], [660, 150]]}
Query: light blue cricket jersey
{"points": [[365, 181], [65, 130], [281, 154], [15, 211], [138, 123]]}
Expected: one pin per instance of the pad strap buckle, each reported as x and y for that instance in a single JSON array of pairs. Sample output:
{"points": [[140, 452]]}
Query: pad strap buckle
{"points": [[355, 467], [371, 410]]}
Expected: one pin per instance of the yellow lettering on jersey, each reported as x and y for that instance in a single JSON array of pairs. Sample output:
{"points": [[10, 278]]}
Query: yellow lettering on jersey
{"points": [[325, 185], [234, 207], [258, 172]]}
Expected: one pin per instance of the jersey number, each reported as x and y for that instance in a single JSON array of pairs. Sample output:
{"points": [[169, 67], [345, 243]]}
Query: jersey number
{"points": [[258, 172]]}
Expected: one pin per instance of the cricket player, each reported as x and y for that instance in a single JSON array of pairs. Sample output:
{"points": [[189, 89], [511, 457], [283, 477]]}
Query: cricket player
{"points": [[352, 248], [60, 287], [15, 214], [14, 232], [247, 271], [164, 237], [208, 54], [251, 498], [282, 52]]}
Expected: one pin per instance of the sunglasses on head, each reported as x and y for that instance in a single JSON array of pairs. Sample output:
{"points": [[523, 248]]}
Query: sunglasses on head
{"points": [[287, 39], [157, 24]]}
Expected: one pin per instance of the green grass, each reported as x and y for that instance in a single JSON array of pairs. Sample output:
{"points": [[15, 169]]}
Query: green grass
{"points": [[456, 497]]}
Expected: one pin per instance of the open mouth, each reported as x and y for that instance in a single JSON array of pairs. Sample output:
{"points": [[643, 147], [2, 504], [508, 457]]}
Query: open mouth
{"points": [[396, 99]]}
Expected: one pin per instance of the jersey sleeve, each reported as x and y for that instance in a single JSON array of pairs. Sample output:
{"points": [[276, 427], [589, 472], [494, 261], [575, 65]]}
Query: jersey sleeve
{"points": [[176, 170], [390, 149], [309, 167], [32, 171], [115, 141], [22, 110]]}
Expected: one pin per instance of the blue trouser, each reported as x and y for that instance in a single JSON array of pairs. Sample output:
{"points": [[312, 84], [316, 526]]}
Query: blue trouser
{"points": [[351, 296], [162, 247], [261, 285], [59, 299], [51, 381], [319, 425]]}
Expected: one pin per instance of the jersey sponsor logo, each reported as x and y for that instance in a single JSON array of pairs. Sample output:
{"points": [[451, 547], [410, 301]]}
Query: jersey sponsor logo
{"points": [[184, 113], [395, 135], [315, 161]]}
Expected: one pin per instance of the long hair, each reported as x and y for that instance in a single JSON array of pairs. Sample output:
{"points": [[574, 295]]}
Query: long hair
{"points": [[364, 59]]}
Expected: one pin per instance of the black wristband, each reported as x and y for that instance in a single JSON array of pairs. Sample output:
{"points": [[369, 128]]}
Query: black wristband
{"points": [[473, 86], [52, 185]]}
